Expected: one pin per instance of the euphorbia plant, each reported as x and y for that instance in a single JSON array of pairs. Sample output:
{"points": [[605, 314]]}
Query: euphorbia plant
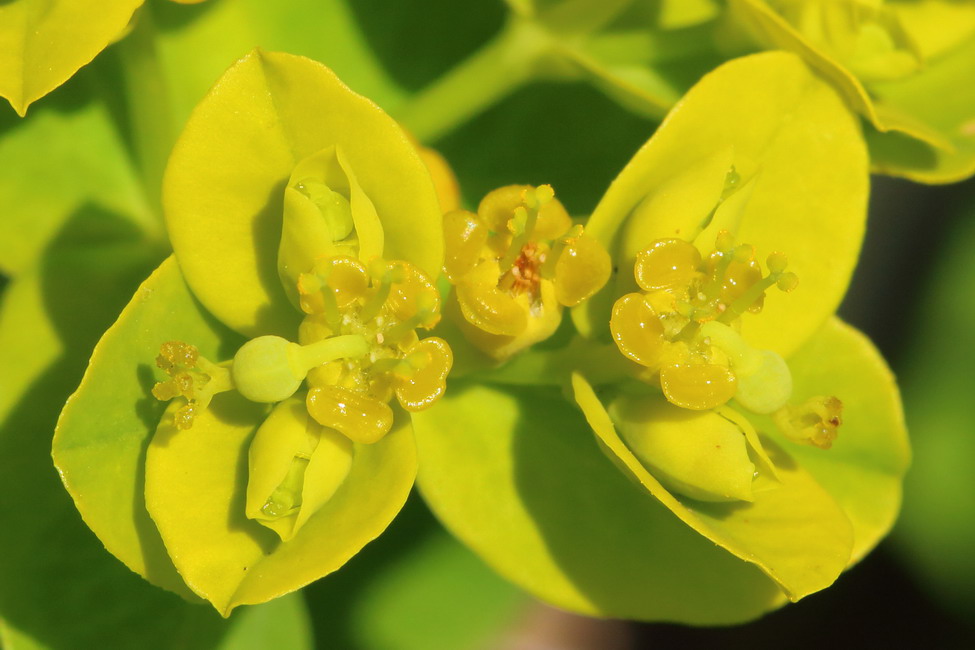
{"points": [[663, 454], [715, 403], [302, 219]]}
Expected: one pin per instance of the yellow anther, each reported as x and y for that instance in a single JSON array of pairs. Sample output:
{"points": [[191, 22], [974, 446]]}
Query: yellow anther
{"points": [[814, 422], [739, 276], [183, 417], [744, 253], [776, 263], [519, 222], [724, 242], [177, 353], [544, 194], [787, 282]]}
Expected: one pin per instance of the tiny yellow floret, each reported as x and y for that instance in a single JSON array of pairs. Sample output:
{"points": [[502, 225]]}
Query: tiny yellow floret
{"points": [[515, 265], [683, 327], [357, 349]]}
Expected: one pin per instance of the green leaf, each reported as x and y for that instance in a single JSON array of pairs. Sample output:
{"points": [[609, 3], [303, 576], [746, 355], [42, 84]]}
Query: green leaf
{"points": [[775, 32], [58, 586], [104, 431], [530, 492], [865, 467], [195, 45], [414, 588], [224, 187], [940, 98], [438, 595], [189, 47], [921, 120], [794, 531], [791, 136], [44, 42], [57, 165], [937, 26], [195, 493]]}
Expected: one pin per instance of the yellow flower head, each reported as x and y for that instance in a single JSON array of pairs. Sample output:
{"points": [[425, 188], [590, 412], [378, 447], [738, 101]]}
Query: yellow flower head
{"points": [[515, 264]]}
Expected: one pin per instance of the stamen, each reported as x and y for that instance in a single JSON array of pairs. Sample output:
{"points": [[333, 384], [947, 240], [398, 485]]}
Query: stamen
{"points": [[814, 422], [777, 263], [191, 377], [532, 202]]}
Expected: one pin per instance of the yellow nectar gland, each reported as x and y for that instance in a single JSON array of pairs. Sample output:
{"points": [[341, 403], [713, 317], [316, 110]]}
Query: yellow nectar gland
{"points": [[358, 348], [515, 264], [682, 328], [383, 304]]}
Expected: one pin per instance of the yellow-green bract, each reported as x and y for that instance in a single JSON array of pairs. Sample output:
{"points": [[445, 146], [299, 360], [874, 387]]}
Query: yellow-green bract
{"points": [[575, 518], [44, 42], [902, 64], [171, 505]]}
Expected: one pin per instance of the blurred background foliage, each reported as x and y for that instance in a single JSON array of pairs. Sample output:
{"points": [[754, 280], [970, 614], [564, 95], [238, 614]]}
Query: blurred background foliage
{"points": [[80, 228]]}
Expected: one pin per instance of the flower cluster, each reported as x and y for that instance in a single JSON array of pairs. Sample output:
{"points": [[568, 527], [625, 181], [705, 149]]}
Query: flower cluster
{"points": [[515, 264], [693, 377]]}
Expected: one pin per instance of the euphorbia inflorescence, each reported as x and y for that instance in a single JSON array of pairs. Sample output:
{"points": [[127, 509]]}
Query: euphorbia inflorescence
{"points": [[384, 305], [357, 349], [515, 264], [684, 328]]}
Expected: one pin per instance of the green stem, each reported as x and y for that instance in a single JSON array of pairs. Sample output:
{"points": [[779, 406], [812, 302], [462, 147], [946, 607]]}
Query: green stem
{"points": [[600, 364], [495, 71]]}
